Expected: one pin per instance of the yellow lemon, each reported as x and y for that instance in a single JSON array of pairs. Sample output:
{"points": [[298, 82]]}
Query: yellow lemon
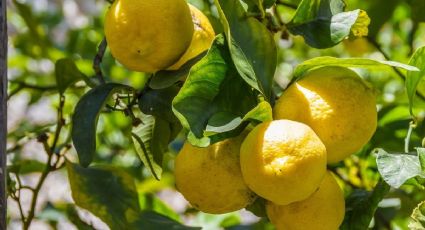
{"points": [[324, 210], [203, 36], [148, 35], [283, 161], [337, 104], [210, 178]]}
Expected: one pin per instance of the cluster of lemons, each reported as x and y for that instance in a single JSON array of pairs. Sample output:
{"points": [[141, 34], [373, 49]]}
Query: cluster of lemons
{"points": [[148, 36], [322, 118]]}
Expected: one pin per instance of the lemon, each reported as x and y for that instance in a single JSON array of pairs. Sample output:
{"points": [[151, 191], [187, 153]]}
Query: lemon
{"points": [[210, 178], [283, 161], [203, 37], [324, 210], [148, 35], [337, 104]]}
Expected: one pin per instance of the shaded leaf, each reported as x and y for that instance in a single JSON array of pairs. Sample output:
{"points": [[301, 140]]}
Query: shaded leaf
{"points": [[252, 47], [380, 12], [418, 217], [149, 220], [414, 77], [305, 66], [157, 102], [85, 117], [66, 73], [109, 193], [214, 100], [166, 78], [258, 208], [323, 23], [361, 206], [72, 215], [397, 168], [150, 140]]}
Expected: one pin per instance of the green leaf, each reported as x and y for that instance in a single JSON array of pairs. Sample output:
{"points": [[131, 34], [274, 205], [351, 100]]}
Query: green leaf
{"points": [[414, 77], [397, 168], [252, 47], [150, 140], [26, 166], [66, 73], [421, 155], [85, 117], [157, 102], [323, 23], [418, 217], [72, 215], [361, 206], [149, 202], [109, 193], [149, 220], [215, 102], [305, 66], [166, 78], [258, 208]]}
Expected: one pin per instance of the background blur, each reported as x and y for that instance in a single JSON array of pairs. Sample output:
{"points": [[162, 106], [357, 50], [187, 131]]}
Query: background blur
{"points": [[43, 31]]}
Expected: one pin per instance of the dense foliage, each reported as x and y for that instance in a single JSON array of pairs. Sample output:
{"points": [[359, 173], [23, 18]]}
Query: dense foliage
{"points": [[86, 134]]}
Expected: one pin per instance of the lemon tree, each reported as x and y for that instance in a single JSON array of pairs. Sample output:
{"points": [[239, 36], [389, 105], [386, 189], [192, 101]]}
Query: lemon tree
{"points": [[219, 114]]}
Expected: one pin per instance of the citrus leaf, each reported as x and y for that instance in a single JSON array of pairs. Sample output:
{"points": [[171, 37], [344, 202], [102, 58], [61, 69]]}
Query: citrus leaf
{"points": [[418, 217], [85, 117], [214, 100], [166, 78], [66, 73], [149, 220], [397, 168], [323, 23], [252, 47], [361, 207], [26, 166], [149, 202], [150, 140], [157, 102], [305, 66], [109, 193], [421, 155], [414, 77], [258, 208]]}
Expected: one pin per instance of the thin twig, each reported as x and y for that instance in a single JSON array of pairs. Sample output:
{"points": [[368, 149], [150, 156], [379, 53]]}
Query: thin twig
{"points": [[98, 60]]}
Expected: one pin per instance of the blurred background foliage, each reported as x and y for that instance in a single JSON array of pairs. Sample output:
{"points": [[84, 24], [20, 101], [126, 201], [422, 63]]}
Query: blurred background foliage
{"points": [[44, 31]]}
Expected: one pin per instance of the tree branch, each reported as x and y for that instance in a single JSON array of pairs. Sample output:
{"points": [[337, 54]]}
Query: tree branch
{"points": [[98, 60], [3, 113]]}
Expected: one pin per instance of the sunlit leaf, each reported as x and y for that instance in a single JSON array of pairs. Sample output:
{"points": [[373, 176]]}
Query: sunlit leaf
{"points": [[421, 155], [85, 117], [214, 100], [323, 23], [252, 47], [150, 140], [66, 73], [397, 168], [418, 217], [149, 202], [361, 206], [26, 166], [305, 66], [414, 77]]}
